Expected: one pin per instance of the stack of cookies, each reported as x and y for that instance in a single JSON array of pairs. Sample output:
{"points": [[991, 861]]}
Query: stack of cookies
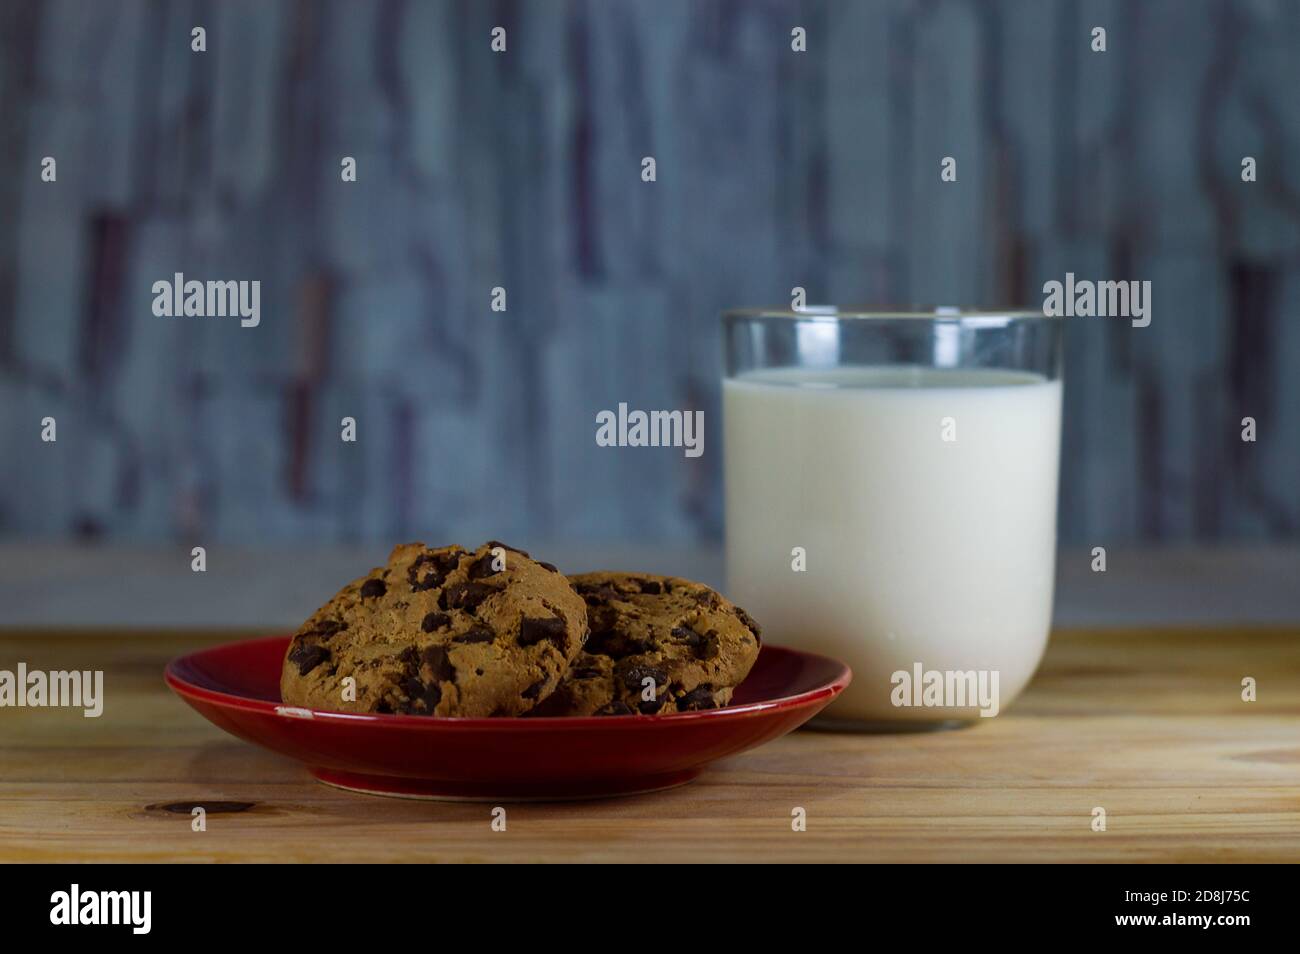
{"points": [[492, 632]]}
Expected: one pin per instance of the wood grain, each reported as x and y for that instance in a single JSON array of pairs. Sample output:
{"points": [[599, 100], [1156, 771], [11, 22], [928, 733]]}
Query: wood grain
{"points": [[1148, 724]]}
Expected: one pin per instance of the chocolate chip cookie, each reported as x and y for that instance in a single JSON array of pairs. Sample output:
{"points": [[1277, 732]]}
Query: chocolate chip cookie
{"points": [[658, 644], [442, 632]]}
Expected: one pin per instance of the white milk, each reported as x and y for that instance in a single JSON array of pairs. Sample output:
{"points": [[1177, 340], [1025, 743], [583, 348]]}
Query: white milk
{"points": [[918, 550]]}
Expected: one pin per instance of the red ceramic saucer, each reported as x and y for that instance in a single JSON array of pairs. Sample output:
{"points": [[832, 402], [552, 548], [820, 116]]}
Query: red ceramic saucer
{"points": [[237, 687]]}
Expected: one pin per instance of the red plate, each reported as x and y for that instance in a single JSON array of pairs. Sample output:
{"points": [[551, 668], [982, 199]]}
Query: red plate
{"points": [[237, 687]]}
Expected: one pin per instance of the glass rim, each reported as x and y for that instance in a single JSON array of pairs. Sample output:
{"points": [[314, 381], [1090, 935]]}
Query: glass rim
{"points": [[936, 313]]}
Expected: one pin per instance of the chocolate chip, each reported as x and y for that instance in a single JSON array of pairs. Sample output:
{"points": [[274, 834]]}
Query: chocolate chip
{"points": [[584, 672], [633, 677], [466, 596], [704, 647], [597, 595], [478, 634], [701, 697], [373, 588], [753, 626], [547, 566], [422, 698], [687, 635], [616, 645], [617, 707], [533, 691], [437, 664], [423, 695], [650, 707], [434, 621], [308, 656], [329, 627], [532, 631], [440, 565], [482, 567], [649, 586]]}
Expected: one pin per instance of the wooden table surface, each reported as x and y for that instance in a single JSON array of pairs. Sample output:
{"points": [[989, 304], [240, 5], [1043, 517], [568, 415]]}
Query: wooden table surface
{"points": [[1147, 724]]}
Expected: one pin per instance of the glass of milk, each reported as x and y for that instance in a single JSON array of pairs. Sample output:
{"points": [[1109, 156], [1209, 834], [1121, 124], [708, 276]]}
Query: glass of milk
{"points": [[891, 483]]}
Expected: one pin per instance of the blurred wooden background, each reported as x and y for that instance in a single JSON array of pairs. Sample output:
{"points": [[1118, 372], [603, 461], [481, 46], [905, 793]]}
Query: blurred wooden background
{"points": [[476, 169]]}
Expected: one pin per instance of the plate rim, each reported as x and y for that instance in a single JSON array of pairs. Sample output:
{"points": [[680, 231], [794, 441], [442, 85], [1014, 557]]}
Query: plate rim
{"points": [[188, 690]]}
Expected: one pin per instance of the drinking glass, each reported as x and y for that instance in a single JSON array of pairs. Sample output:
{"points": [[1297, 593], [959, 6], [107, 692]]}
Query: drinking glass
{"points": [[891, 487]]}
